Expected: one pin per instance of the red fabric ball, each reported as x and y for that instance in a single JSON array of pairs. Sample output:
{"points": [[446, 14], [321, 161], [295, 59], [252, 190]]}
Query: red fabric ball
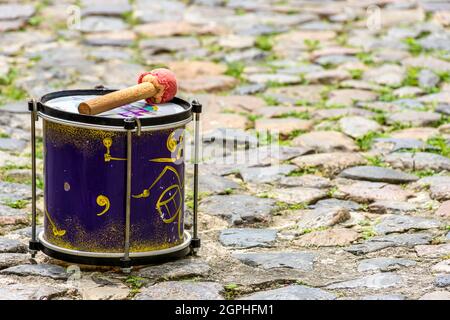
{"points": [[165, 78]]}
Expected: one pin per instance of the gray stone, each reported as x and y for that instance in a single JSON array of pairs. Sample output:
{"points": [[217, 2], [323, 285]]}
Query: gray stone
{"points": [[393, 240], [12, 259], [442, 281], [436, 295], [105, 7], [404, 240], [16, 11], [179, 290], [407, 91], [285, 79], [398, 144], [443, 108], [39, 270], [245, 56], [368, 246], [442, 267], [327, 76], [266, 174], [151, 11], [239, 209], [292, 94], [428, 79], [330, 203], [408, 104], [108, 54], [163, 45], [306, 181], [298, 260], [442, 96], [399, 223], [247, 237], [261, 29], [301, 69], [322, 217], [434, 181], [19, 175], [392, 207], [331, 60], [375, 281], [184, 268], [357, 126], [26, 232], [11, 25], [384, 297], [297, 195], [232, 138], [15, 107], [292, 292], [429, 62], [388, 74], [211, 183], [28, 291], [435, 41], [414, 118], [433, 251], [10, 191], [334, 113], [345, 97], [284, 153], [249, 89], [102, 24], [11, 246], [7, 211], [325, 141], [384, 264], [366, 192], [377, 174], [14, 145], [114, 39], [418, 161], [236, 42]]}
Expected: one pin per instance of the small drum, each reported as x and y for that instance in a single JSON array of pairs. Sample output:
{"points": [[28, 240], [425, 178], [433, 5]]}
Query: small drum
{"points": [[114, 183]]}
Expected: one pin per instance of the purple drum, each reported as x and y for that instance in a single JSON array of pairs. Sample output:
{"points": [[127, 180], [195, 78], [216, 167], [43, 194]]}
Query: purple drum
{"points": [[114, 183]]}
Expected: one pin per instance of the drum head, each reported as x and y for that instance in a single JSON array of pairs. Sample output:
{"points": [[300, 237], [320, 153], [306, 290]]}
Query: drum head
{"points": [[63, 105]]}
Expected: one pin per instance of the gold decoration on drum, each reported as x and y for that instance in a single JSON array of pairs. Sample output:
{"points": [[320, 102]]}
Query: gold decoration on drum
{"points": [[173, 146], [56, 232], [162, 205], [103, 201], [107, 142]]}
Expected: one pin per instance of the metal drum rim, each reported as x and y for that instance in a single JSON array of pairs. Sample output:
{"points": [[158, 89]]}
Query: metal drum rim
{"points": [[113, 128], [76, 253], [113, 124]]}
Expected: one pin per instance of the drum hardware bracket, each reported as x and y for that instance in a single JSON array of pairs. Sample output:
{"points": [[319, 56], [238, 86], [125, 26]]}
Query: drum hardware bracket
{"points": [[129, 125], [195, 242], [101, 87], [34, 244]]}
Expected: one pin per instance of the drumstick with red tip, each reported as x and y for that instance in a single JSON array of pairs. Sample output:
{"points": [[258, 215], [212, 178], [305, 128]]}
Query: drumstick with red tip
{"points": [[156, 86]]}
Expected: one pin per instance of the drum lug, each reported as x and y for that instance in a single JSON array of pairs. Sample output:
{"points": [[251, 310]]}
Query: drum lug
{"points": [[126, 265], [34, 245], [129, 125], [196, 109], [100, 87]]}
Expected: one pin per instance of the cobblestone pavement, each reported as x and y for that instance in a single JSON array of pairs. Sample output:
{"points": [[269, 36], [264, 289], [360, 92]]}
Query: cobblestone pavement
{"points": [[355, 204]]}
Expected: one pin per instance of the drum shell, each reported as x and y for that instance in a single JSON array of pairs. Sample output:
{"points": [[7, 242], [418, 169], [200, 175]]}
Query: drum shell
{"points": [[85, 188]]}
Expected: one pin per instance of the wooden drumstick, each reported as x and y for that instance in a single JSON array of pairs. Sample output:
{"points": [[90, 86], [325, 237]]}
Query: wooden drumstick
{"points": [[157, 86]]}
